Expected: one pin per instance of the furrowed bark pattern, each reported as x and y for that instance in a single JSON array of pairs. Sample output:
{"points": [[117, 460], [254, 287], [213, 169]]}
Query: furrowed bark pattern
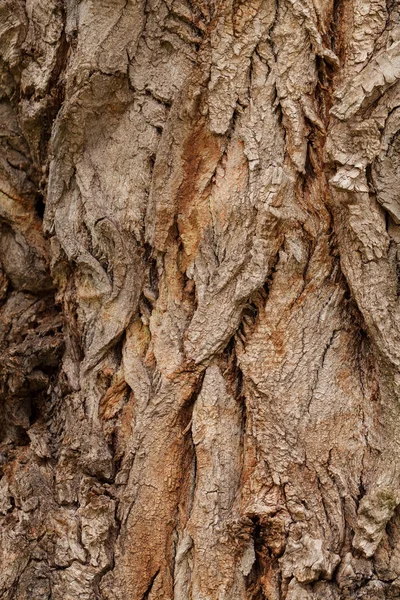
{"points": [[199, 371]]}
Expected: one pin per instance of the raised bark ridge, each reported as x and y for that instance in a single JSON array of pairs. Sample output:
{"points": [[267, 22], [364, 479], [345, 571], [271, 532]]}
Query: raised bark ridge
{"points": [[200, 338]]}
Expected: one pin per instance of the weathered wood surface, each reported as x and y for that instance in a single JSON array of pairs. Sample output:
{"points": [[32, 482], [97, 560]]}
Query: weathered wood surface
{"points": [[199, 287]]}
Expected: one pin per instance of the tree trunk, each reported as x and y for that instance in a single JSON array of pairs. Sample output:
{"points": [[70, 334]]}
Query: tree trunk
{"points": [[199, 287]]}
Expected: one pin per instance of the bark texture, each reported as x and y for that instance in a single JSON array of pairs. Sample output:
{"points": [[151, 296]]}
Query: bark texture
{"points": [[199, 299]]}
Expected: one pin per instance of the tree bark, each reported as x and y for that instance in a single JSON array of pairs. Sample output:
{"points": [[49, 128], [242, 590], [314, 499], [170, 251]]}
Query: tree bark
{"points": [[199, 299]]}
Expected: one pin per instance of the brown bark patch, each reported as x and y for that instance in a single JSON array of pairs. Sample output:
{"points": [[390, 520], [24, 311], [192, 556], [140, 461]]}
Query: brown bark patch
{"points": [[202, 152]]}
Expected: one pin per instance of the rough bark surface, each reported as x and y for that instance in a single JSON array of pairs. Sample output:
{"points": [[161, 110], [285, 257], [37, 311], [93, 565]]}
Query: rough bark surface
{"points": [[199, 299]]}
